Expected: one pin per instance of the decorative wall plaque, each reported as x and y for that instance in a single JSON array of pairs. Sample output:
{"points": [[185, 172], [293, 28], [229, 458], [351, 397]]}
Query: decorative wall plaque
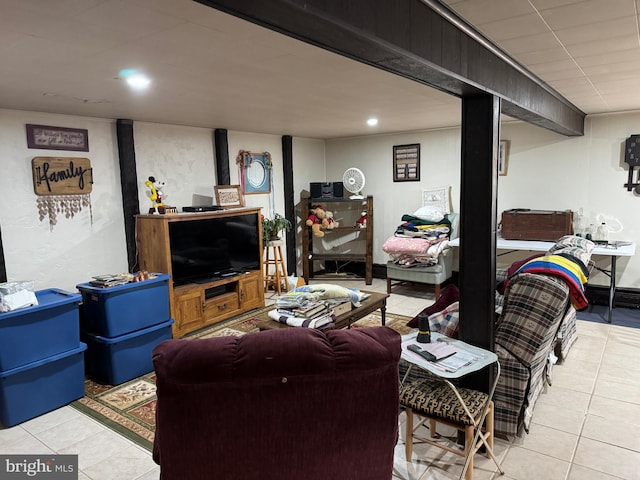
{"points": [[57, 138], [63, 185]]}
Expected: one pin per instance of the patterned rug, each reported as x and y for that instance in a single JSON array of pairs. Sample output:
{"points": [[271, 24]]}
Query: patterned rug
{"points": [[129, 408]]}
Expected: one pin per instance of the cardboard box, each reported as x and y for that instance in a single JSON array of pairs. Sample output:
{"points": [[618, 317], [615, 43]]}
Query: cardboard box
{"points": [[33, 333], [39, 387], [545, 225], [123, 309], [118, 359]]}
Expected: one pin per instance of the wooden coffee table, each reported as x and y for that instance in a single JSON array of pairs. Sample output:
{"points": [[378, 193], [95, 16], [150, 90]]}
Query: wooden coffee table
{"points": [[374, 302]]}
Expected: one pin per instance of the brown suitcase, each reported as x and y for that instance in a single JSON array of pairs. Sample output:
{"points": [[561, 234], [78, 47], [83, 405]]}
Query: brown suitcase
{"points": [[525, 224]]}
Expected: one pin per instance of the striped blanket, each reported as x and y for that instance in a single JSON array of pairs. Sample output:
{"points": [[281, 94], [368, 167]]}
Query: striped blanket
{"points": [[565, 269]]}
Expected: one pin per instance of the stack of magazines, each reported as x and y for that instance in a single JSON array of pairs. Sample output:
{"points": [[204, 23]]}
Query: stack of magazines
{"points": [[302, 309]]}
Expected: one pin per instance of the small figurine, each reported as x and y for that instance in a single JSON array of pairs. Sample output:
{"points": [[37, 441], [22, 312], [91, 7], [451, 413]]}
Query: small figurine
{"points": [[362, 221], [156, 195]]}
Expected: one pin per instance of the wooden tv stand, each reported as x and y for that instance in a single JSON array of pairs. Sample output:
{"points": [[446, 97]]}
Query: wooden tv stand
{"points": [[197, 305]]}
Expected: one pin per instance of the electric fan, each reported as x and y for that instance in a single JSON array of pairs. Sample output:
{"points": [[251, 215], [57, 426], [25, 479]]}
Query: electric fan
{"points": [[353, 181]]}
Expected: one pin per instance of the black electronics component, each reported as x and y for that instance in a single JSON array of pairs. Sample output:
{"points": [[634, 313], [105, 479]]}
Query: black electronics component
{"points": [[202, 208], [326, 189], [423, 353]]}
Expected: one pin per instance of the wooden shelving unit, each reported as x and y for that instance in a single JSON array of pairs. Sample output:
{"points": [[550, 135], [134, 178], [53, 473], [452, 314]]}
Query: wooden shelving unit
{"points": [[337, 245]]}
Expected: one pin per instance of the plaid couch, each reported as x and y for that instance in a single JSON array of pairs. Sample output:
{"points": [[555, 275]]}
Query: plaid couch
{"points": [[536, 327]]}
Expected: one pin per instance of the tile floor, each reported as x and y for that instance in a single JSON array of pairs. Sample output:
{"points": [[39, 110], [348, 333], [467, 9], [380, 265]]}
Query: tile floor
{"points": [[586, 427]]}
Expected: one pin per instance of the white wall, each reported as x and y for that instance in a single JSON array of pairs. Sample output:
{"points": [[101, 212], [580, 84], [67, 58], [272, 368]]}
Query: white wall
{"points": [[76, 248], [182, 157], [545, 171]]}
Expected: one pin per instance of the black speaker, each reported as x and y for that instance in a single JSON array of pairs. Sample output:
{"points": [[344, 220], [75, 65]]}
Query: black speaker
{"points": [[326, 189]]}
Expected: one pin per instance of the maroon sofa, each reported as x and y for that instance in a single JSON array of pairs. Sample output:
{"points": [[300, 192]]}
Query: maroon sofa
{"points": [[285, 404]]}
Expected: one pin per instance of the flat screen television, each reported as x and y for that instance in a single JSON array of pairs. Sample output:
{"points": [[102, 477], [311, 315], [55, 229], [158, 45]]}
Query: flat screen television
{"points": [[212, 248]]}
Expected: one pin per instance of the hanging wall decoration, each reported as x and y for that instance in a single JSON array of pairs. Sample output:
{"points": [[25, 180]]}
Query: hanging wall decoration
{"points": [[57, 138], [255, 171], [63, 185]]}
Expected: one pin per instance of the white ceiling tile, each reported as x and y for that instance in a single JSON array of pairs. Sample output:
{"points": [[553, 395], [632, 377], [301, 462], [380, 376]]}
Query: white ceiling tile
{"points": [[598, 31], [587, 12], [485, 11], [543, 56], [514, 27]]}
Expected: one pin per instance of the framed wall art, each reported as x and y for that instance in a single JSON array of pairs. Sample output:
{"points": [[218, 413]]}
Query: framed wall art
{"points": [[57, 138], [228, 196], [503, 157], [406, 163], [257, 173]]}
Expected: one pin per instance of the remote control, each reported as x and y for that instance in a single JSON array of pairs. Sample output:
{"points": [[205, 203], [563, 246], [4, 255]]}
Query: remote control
{"points": [[423, 353]]}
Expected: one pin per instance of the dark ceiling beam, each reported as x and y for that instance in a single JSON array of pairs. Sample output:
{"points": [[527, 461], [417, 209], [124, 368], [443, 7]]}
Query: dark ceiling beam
{"points": [[421, 40]]}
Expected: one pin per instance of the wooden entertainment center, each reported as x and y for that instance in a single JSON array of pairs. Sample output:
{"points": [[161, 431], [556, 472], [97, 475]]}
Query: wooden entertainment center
{"points": [[208, 301]]}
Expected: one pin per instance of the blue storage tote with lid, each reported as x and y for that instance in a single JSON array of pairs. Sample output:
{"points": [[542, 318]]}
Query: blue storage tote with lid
{"points": [[115, 311], [32, 333], [39, 387], [117, 359]]}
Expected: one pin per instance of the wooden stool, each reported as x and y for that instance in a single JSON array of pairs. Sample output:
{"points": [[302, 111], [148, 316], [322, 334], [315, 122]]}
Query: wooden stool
{"points": [[280, 274]]}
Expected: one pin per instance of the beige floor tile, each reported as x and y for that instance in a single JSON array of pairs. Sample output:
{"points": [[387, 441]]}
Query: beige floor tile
{"points": [[51, 419], [584, 354], [592, 329], [566, 398], [549, 441], [621, 433], [129, 463], [608, 459], [612, 371], [9, 435], [523, 464], [630, 350], [625, 334], [577, 367], [558, 417], [584, 382], [27, 444], [70, 432], [618, 390], [578, 472], [96, 448], [615, 409], [152, 475]]}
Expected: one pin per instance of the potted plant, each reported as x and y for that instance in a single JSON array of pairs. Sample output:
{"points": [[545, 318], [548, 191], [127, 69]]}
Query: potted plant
{"points": [[271, 227]]}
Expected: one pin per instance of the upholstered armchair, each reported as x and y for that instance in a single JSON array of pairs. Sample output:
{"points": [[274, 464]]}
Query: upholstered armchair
{"points": [[282, 404]]}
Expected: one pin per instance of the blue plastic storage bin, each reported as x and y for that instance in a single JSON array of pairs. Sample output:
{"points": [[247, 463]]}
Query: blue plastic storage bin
{"points": [[39, 387], [33, 333], [115, 311], [118, 359]]}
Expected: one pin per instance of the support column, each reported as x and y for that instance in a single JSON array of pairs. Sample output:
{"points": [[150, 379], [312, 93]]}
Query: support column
{"points": [[129, 187], [478, 211], [221, 145], [3, 266], [289, 201]]}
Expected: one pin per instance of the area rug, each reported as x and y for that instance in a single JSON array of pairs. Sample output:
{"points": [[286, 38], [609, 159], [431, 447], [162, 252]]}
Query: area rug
{"points": [[129, 408]]}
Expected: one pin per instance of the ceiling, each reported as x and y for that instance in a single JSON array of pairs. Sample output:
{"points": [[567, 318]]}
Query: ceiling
{"points": [[212, 70]]}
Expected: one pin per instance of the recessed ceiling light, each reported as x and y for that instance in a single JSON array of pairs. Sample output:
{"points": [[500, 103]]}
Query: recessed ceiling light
{"points": [[372, 122], [134, 78]]}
